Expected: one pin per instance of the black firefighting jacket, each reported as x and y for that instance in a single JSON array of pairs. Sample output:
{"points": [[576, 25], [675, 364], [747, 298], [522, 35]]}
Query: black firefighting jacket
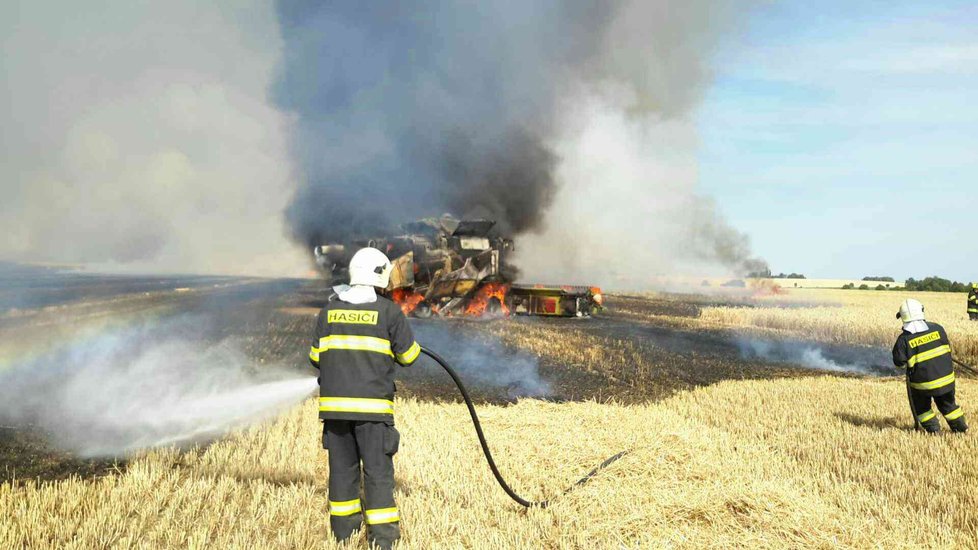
{"points": [[928, 356], [357, 348], [973, 301]]}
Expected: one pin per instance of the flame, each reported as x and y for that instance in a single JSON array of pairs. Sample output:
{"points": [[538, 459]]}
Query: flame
{"points": [[478, 304], [766, 287], [597, 296], [407, 299]]}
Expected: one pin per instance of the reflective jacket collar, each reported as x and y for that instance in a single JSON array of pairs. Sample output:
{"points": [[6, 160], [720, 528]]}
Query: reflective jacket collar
{"points": [[357, 294], [914, 327]]}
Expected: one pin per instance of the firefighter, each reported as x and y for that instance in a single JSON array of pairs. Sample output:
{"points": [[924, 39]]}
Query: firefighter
{"points": [[925, 351], [360, 340], [973, 302]]}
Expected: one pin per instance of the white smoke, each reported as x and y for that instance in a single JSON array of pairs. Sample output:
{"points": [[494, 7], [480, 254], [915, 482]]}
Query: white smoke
{"points": [[144, 386], [483, 361], [809, 355], [622, 209], [627, 207], [137, 135]]}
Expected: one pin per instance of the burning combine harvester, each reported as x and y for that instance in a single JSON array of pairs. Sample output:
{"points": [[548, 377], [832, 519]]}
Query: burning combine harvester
{"points": [[447, 267]]}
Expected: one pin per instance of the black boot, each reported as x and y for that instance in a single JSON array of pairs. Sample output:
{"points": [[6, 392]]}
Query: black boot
{"points": [[958, 425], [383, 536], [932, 426], [345, 528]]}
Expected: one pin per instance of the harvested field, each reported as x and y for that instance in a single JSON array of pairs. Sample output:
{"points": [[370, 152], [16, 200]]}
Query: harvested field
{"points": [[860, 317], [726, 448], [811, 462]]}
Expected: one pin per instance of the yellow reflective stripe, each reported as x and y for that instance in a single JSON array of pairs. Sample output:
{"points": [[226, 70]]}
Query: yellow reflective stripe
{"points": [[955, 414], [933, 384], [925, 339], [411, 354], [314, 354], [356, 405], [357, 343], [382, 515], [345, 508], [973, 310], [930, 354], [926, 416]]}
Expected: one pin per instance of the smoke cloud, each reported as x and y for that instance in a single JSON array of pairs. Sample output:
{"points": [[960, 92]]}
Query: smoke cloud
{"points": [[144, 386], [852, 360], [173, 136], [138, 135], [568, 122], [484, 362]]}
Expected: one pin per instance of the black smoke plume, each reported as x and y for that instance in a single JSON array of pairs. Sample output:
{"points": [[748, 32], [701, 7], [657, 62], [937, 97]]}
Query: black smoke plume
{"points": [[402, 111]]}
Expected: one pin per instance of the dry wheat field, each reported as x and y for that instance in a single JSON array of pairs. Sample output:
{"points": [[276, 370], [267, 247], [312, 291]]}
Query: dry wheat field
{"points": [[816, 462], [863, 317], [845, 317], [723, 450]]}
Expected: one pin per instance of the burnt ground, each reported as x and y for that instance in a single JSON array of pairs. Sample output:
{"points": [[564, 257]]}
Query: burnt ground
{"points": [[272, 322]]}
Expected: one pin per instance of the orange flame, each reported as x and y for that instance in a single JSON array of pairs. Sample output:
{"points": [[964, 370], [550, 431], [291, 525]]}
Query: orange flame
{"points": [[407, 299], [478, 304], [764, 287], [597, 296]]}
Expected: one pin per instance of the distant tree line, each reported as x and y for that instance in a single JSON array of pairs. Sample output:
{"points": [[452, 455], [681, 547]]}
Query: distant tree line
{"points": [[864, 286], [766, 274], [936, 284], [929, 284]]}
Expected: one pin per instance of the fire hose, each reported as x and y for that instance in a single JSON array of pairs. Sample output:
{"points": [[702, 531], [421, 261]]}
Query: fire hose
{"points": [[485, 446], [968, 368], [913, 412]]}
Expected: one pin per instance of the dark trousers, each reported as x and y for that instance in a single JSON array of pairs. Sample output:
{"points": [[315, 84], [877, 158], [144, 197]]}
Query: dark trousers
{"points": [[973, 316], [373, 444], [945, 403]]}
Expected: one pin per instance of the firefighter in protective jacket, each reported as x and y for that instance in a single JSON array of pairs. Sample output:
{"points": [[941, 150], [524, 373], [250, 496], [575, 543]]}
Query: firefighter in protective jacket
{"points": [[973, 302], [925, 351], [360, 340]]}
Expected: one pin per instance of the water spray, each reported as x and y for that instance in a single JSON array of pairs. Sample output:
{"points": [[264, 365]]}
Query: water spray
{"points": [[488, 454]]}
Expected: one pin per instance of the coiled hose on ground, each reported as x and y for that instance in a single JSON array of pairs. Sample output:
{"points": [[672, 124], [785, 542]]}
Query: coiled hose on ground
{"points": [[485, 446]]}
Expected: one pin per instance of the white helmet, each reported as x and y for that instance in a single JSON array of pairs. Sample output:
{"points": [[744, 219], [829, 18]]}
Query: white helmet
{"points": [[911, 310], [370, 267]]}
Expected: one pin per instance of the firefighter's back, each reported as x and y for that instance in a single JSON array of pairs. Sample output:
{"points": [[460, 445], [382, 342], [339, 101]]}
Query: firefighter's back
{"points": [[357, 361], [930, 359]]}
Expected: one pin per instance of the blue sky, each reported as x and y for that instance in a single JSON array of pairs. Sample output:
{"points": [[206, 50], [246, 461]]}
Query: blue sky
{"points": [[843, 137]]}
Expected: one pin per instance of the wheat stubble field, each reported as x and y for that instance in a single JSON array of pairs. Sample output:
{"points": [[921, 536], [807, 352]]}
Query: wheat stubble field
{"points": [[724, 450]]}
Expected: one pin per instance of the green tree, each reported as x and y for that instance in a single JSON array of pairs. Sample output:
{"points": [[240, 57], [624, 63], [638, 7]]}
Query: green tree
{"points": [[935, 284]]}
